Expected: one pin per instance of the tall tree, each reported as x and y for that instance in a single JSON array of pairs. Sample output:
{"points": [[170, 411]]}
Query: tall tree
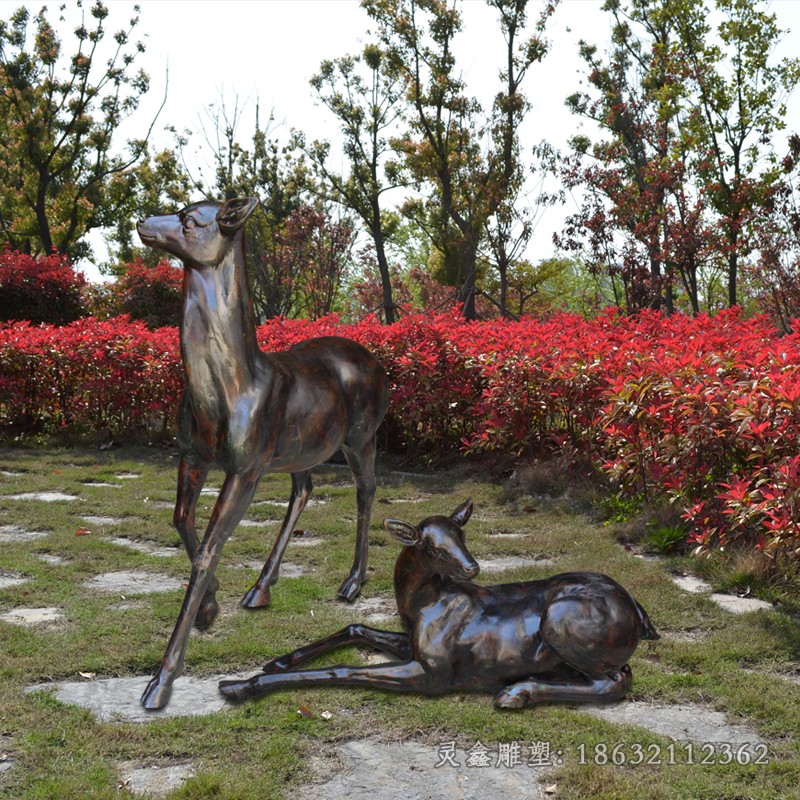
{"points": [[738, 102], [450, 146], [687, 161], [59, 117], [367, 108]]}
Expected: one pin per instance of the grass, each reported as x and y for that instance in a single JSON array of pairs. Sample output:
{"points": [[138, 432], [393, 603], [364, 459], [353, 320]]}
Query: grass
{"points": [[262, 749]]}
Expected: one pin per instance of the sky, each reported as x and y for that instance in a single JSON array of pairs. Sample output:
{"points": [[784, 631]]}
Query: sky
{"points": [[265, 51]]}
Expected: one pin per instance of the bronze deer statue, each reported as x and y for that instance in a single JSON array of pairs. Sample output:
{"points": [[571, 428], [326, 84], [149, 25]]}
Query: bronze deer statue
{"points": [[565, 638], [251, 412]]}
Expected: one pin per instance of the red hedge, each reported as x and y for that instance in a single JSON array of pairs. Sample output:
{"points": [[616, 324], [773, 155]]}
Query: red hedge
{"points": [[39, 288], [703, 411]]}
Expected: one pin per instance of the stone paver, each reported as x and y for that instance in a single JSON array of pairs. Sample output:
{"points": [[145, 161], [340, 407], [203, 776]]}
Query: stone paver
{"points": [[44, 497], [684, 722], [148, 548], [130, 582], [730, 602], [102, 520], [512, 562], [14, 533], [117, 699], [9, 579], [366, 769], [28, 617], [153, 780]]}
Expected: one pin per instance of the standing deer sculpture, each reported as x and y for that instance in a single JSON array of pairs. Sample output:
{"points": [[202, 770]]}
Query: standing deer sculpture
{"points": [[251, 412], [565, 638]]}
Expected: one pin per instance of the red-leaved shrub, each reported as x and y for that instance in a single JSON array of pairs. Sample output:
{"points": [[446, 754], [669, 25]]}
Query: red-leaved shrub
{"points": [[39, 288], [702, 411]]}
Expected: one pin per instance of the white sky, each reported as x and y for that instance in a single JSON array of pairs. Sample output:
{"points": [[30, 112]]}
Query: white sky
{"points": [[267, 50]]}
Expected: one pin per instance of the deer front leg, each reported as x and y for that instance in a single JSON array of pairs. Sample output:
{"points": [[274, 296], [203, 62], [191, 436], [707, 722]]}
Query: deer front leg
{"points": [[406, 677], [192, 474], [591, 690], [391, 642], [258, 594], [235, 496]]}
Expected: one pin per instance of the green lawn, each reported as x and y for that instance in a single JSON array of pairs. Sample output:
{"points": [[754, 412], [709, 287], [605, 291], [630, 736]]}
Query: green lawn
{"points": [[261, 750]]}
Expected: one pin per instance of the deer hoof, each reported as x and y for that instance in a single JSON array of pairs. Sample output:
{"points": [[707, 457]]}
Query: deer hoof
{"points": [[512, 698], [235, 691], [256, 598], [349, 589], [206, 614], [157, 693]]}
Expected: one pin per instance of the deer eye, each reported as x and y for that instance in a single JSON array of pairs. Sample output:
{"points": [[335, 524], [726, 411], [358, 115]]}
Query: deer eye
{"points": [[189, 222]]}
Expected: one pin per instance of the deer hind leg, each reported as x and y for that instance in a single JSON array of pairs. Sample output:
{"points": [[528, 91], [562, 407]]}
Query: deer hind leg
{"points": [[362, 463], [233, 500], [191, 477], [391, 642], [258, 594], [593, 639], [605, 689], [406, 677]]}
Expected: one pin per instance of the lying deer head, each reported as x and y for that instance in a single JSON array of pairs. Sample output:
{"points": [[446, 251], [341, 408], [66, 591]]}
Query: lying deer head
{"points": [[439, 543]]}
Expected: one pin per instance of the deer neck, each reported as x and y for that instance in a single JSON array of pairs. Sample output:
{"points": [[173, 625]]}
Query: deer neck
{"points": [[416, 585], [218, 338]]}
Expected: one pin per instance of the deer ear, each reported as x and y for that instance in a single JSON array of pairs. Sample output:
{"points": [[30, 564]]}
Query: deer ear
{"points": [[462, 514], [234, 213], [404, 532]]}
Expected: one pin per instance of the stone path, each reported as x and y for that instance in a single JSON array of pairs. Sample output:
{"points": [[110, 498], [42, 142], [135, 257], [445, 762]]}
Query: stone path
{"points": [[730, 602]]}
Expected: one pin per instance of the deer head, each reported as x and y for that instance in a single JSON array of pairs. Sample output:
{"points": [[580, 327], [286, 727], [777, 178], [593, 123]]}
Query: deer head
{"points": [[200, 234], [439, 542]]}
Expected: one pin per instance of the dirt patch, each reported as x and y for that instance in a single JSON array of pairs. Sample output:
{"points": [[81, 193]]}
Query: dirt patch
{"points": [[374, 610]]}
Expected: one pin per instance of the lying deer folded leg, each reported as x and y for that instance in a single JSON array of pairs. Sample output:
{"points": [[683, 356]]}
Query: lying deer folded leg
{"points": [[565, 638]]}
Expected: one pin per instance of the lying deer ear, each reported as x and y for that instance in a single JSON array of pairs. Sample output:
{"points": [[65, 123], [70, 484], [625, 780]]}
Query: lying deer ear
{"points": [[234, 213], [462, 514], [404, 532]]}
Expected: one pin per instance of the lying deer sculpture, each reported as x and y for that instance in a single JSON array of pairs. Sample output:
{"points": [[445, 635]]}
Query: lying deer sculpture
{"points": [[252, 412], [566, 638]]}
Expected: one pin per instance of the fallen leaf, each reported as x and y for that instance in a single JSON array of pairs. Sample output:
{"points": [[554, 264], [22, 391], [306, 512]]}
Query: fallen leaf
{"points": [[82, 532], [530, 509], [88, 675], [326, 715], [551, 789], [305, 711]]}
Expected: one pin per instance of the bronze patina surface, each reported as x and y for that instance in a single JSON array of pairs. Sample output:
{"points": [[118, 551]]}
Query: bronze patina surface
{"points": [[565, 638], [251, 412]]}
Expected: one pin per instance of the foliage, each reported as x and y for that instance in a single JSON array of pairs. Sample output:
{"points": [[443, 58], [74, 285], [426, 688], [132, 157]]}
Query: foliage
{"points": [[59, 117], [39, 289], [680, 188], [703, 412], [445, 147], [365, 109], [151, 294]]}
